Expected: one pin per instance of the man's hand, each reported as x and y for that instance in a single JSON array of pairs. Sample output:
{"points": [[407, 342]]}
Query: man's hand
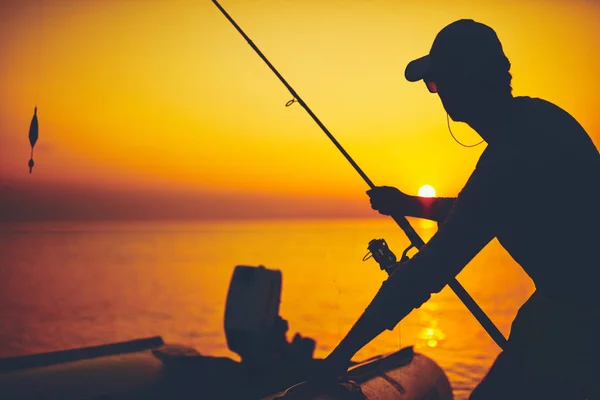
{"points": [[391, 201], [328, 379], [330, 370]]}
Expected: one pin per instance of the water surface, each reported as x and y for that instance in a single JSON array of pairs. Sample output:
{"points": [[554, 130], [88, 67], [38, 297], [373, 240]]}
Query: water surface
{"points": [[66, 285]]}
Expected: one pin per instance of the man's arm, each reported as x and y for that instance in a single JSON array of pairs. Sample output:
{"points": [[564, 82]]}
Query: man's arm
{"points": [[413, 282], [391, 201], [468, 228], [433, 208]]}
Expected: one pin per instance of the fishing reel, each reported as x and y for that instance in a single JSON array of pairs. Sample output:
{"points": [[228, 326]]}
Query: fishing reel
{"points": [[380, 252]]}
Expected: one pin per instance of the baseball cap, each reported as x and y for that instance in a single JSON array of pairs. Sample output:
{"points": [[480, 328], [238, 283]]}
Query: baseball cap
{"points": [[464, 45]]}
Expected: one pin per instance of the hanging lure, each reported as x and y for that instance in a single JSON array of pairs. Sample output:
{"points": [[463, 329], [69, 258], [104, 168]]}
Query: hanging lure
{"points": [[33, 136]]}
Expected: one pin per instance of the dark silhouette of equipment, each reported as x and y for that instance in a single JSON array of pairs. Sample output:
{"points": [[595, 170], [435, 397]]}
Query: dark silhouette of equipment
{"points": [[380, 252], [33, 136], [253, 327]]}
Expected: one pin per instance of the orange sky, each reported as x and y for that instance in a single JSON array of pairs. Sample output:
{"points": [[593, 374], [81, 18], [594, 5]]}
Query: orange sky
{"points": [[161, 105]]}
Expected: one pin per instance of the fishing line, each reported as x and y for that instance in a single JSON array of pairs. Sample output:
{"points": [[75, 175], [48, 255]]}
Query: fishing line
{"points": [[399, 337], [337, 306], [38, 50], [34, 126], [402, 222]]}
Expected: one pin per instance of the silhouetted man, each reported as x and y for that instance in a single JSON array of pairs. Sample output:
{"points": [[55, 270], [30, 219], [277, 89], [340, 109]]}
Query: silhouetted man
{"points": [[536, 188]]}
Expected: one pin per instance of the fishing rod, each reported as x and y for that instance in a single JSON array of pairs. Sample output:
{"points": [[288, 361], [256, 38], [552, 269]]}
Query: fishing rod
{"points": [[414, 238]]}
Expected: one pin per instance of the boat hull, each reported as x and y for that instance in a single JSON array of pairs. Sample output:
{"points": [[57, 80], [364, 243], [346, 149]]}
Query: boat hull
{"points": [[149, 369]]}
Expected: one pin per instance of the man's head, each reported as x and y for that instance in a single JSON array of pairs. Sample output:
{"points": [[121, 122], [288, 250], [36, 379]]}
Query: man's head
{"points": [[466, 66]]}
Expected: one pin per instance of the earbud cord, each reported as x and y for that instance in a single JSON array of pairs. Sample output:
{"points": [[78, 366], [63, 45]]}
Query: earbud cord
{"points": [[454, 137]]}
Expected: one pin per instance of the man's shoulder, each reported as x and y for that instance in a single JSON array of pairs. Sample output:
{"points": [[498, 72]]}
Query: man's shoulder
{"points": [[541, 129], [537, 103], [530, 112]]}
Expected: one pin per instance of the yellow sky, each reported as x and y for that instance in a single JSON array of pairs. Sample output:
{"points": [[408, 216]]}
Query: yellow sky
{"points": [[163, 94]]}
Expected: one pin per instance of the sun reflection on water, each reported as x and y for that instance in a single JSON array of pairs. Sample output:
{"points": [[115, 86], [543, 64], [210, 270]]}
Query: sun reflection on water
{"points": [[431, 334]]}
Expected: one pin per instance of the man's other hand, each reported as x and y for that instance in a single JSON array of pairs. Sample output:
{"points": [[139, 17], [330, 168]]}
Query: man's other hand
{"points": [[388, 200], [330, 370]]}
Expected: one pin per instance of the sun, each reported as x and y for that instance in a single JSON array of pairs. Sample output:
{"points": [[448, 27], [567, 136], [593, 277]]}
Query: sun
{"points": [[426, 191]]}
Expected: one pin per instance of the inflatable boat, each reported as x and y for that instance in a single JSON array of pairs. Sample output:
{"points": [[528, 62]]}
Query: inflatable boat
{"points": [[270, 367], [149, 369]]}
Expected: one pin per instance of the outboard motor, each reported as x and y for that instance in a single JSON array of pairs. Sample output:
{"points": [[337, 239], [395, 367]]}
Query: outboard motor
{"points": [[253, 327]]}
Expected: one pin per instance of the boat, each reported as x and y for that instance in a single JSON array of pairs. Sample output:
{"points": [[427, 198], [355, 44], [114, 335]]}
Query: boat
{"points": [[402, 375], [149, 368]]}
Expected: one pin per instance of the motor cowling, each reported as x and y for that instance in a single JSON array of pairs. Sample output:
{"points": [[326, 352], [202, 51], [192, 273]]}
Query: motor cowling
{"points": [[253, 328]]}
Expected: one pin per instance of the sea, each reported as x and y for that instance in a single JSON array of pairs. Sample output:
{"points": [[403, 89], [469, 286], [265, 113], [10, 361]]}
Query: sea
{"points": [[75, 284]]}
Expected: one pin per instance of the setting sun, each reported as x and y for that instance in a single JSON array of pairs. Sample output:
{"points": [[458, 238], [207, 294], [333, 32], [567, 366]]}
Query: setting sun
{"points": [[426, 191]]}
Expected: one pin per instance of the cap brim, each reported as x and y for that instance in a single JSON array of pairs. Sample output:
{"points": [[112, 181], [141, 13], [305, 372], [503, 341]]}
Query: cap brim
{"points": [[418, 69]]}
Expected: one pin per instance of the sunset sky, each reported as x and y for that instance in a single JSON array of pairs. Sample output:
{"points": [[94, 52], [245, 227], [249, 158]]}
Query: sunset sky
{"points": [[159, 108]]}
